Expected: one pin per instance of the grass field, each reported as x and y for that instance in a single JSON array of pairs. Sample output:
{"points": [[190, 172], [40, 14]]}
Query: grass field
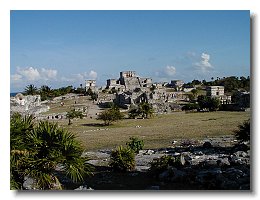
{"points": [[157, 132]]}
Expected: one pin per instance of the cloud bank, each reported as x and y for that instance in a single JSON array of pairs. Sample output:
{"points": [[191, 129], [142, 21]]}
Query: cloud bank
{"points": [[166, 73], [204, 65], [43, 76], [33, 74]]}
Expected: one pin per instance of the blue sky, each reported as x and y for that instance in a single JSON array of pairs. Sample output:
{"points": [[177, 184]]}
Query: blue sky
{"points": [[61, 48]]}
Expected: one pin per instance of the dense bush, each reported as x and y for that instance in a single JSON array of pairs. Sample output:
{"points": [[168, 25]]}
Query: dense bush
{"points": [[191, 106], [161, 164], [122, 159], [110, 115], [243, 134], [135, 144], [208, 103]]}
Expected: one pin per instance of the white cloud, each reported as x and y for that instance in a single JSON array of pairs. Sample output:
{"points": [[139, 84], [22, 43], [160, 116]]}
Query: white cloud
{"points": [[170, 70], [33, 74], [85, 75], [16, 77], [28, 73], [204, 65], [41, 76], [92, 75], [165, 74], [48, 74]]}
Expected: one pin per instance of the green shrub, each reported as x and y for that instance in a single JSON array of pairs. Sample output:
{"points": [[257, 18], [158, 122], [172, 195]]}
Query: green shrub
{"points": [[110, 115], [191, 106], [161, 164], [243, 134], [135, 144], [122, 159]]}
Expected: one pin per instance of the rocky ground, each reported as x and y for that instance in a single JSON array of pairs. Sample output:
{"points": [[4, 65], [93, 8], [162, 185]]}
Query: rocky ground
{"points": [[210, 164]]}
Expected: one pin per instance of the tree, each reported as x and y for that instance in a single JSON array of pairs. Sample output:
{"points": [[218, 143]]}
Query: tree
{"points": [[209, 103], [73, 114], [110, 115], [243, 133], [89, 92], [152, 88], [30, 90], [145, 109], [214, 103], [36, 151], [45, 92], [94, 96], [194, 92]]}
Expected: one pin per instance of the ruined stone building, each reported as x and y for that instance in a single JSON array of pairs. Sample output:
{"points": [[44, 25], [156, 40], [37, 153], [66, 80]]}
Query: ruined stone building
{"points": [[129, 81], [133, 90], [218, 92], [27, 105], [177, 84], [90, 84]]}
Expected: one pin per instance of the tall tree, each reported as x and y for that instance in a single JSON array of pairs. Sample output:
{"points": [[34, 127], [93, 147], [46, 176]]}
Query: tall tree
{"points": [[30, 90]]}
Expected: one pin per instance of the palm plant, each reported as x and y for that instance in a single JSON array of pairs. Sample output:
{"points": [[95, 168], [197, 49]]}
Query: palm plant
{"points": [[41, 149], [122, 159], [19, 151], [30, 90], [45, 92]]}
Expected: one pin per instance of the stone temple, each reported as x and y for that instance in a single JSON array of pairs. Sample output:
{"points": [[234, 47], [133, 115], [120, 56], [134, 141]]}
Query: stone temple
{"points": [[129, 81], [132, 90]]}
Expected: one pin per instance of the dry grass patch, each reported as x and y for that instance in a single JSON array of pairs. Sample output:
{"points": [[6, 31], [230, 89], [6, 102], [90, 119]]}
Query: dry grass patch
{"points": [[157, 132]]}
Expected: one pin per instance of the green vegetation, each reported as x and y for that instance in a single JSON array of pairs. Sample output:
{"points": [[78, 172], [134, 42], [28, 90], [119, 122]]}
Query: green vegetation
{"points": [[73, 114], [145, 110], [110, 115], [94, 96], [135, 144], [37, 149], [46, 92], [122, 159], [243, 134], [163, 163], [30, 90], [208, 103], [231, 83], [191, 106]]}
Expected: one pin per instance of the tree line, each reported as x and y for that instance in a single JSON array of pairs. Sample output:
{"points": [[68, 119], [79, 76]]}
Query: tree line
{"points": [[231, 83], [46, 92]]}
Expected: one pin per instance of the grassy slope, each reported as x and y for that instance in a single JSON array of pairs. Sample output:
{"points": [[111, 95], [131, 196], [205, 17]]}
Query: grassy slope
{"points": [[157, 132]]}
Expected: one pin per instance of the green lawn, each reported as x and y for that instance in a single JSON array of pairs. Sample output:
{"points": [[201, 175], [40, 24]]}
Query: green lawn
{"points": [[157, 132]]}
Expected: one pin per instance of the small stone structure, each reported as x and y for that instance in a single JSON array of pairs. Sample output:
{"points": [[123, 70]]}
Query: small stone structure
{"points": [[27, 105], [218, 92], [90, 84]]}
